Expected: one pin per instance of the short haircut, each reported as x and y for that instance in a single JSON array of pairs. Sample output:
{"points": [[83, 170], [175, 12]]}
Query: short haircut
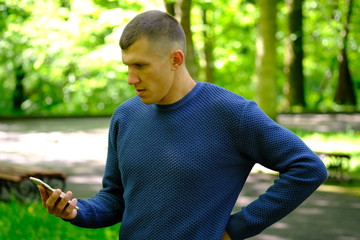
{"points": [[158, 27]]}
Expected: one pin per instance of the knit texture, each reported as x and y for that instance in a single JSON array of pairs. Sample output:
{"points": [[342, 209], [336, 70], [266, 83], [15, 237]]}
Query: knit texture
{"points": [[175, 171]]}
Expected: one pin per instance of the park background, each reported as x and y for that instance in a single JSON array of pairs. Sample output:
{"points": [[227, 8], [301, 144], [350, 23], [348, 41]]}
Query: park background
{"points": [[61, 77], [61, 57]]}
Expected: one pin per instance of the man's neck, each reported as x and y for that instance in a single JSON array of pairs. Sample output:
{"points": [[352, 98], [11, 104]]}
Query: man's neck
{"points": [[185, 83]]}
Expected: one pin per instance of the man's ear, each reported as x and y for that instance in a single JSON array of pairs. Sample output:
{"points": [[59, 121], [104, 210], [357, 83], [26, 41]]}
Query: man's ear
{"points": [[177, 58]]}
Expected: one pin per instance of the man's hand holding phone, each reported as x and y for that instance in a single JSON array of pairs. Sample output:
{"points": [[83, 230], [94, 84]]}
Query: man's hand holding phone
{"points": [[57, 202]]}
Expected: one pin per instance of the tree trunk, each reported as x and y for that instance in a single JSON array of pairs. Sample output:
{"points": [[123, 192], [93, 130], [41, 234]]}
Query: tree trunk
{"points": [[266, 58], [170, 6], [19, 95], [208, 47], [294, 54], [345, 92], [190, 58]]}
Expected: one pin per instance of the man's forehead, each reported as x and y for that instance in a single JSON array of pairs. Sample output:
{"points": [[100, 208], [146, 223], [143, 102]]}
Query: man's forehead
{"points": [[134, 52], [129, 59], [141, 51]]}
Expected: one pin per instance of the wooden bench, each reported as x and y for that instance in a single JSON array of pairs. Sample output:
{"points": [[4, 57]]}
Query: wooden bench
{"points": [[337, 164], [14, 181]]}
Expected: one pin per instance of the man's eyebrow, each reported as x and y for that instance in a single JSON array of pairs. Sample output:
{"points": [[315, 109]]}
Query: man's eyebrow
{"points": [[135, 63]]}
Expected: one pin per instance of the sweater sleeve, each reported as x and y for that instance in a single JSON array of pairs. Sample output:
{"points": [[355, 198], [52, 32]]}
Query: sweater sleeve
{"points": [[301, 172], [105, 208]]}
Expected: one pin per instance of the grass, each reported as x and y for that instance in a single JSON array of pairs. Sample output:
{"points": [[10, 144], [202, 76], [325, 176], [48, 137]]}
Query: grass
{"points": [[31, 221], [343, 142], [338, 142]]}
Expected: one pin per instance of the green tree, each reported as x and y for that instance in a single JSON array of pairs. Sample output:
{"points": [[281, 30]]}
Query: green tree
{"points": [[207, 12], [60, 57], [63, 61], [323, 25], [233, 27], [345, 93], [190, 58], [294, 85], [266, 58], [13, 44], [170, 6]]}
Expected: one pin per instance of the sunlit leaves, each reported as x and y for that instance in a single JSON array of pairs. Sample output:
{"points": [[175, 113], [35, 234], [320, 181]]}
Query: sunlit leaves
{"points": [[70, 55], [72, 62], [323, 24]]}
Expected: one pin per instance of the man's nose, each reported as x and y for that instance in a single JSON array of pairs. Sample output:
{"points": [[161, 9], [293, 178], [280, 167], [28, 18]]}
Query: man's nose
{"points": [[133, 78]]}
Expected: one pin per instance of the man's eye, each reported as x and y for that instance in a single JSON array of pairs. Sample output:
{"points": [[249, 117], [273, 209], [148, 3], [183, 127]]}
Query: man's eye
{"points": [[139, 66]]}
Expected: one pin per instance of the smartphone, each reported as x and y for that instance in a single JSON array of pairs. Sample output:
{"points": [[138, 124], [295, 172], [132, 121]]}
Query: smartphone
{"points": [[47, 187]]}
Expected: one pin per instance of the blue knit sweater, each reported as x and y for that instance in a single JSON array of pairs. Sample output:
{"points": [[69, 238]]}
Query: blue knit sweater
{"points": [[175, 171]]}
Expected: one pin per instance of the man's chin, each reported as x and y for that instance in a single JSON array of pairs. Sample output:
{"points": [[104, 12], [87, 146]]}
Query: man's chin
{"points": [[147, 101]]}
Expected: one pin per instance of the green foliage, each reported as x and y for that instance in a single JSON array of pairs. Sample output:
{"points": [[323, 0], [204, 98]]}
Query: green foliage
{"points": [[31, 221], [322, 47], [10, 14], [335, 142], [234, 59], [69, 60], [65, 54]]}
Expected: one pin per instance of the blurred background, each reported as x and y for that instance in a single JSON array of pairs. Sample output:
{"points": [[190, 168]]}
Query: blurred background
{"points": [[61, 57], [61, 77]]}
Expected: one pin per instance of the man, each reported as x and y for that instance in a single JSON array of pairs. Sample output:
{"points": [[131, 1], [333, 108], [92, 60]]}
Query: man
{"points": [[180, 152]]}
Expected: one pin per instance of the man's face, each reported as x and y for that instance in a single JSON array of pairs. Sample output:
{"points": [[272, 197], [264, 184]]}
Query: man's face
{"points": [[150, 72]]}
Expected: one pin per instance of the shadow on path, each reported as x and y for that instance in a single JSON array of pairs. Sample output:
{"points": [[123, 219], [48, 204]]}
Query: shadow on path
{"points": [[328, 214]]}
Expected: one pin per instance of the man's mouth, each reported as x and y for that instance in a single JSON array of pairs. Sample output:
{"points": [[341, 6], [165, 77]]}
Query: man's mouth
{"points": [[140, 92]]}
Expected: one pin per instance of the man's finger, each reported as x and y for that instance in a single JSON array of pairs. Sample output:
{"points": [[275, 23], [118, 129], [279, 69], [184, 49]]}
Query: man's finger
{"points": [[69, 211], [64, 201], [52, 201], [43, 194]]}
